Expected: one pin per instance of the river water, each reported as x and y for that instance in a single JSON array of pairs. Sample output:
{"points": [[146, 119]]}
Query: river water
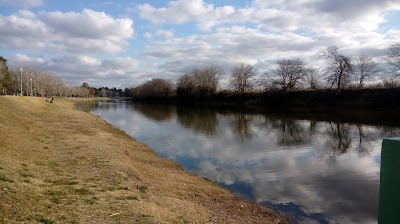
{"points": [[316, 170]]}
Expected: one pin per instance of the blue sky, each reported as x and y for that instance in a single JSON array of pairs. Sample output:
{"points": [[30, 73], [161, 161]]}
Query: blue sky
{"points": [[125, 43]]}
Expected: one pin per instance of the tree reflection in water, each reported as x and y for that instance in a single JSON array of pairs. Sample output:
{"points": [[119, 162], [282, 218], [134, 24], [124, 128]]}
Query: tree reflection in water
{"points": [[241, 124], [199, 119], [318, 169], [156, 112], [339, 141], [291, 132]]}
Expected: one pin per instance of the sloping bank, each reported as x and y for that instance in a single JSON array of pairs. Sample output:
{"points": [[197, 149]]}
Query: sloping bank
{"points": [[62, 165]]}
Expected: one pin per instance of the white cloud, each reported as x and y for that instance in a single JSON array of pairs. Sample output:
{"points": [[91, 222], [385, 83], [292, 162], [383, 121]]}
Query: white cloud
{"points": [[311, 15], [182, 11], [258, 33], [73, 39], [264, 32], [76, 68], [148, 35], [165, 33], [22, 3], [58, 32]]}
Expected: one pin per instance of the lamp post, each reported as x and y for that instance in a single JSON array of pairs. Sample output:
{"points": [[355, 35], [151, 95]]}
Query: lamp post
{"points": [[21, 81], [31, 88]]}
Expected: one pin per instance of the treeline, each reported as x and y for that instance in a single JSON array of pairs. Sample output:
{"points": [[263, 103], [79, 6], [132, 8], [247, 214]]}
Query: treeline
{"points": [[29, 81], [339, 72]]}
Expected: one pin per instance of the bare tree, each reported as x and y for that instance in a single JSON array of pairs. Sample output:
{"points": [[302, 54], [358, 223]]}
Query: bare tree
{"points": [[338, 67], [262, 82], [289, 73], [393, 57], [5, 77], [242, 76], [207, 80], [199, 82], [43, 83], [313, 77], [186, 85], [366, 68], [153, 89]]}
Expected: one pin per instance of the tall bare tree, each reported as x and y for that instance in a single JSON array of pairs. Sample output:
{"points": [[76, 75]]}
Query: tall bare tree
{"points": [[186, 85], [5, 77], [207, 80], [199, 82], [338, 67], [393, 57], [242, 76], [313, 77], [366, 68], [154, 88], [289, 73]]}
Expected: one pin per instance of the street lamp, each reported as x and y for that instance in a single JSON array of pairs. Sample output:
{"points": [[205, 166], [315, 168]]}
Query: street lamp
{"points": [[21, 81], [31, 88]]}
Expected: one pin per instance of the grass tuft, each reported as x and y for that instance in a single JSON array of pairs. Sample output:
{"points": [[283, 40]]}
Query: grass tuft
{"points": [[129, 197], [82, 191], [142, 189], [91, 201], [63, 182], [5, 179], [42, 219]]}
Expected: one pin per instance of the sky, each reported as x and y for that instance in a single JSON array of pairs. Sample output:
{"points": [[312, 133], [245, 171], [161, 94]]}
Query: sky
{"points": [[126, 43]]}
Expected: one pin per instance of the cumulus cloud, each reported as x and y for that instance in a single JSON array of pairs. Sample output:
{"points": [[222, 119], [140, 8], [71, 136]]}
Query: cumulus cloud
{"points": [[165, 33], [22, 3], [182, 11], [86, 32], [80, 67], [279, 16], [74, 39], [258, 33], [264, 31], [227, 47]]}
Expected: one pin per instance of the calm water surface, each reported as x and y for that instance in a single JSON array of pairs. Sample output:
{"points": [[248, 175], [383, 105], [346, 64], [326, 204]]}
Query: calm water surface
{"points": [[317, 171]]}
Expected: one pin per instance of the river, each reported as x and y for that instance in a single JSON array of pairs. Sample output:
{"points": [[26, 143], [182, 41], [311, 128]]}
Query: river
{"points": [[316, 170]]}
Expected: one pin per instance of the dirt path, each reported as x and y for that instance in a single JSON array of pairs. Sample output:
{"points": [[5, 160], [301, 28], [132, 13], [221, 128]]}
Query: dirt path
{"points": [[62, 165]]}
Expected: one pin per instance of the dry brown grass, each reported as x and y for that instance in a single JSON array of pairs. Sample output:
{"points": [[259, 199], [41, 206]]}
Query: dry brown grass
{"points": [[61, 165]]}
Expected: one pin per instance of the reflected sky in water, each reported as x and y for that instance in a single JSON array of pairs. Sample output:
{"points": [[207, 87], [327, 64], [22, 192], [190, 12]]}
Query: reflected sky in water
{"points": [[317, 171]]}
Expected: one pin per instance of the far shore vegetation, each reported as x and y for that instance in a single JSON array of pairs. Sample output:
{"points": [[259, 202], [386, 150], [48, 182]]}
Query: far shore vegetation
{"points": [[333, 71]]}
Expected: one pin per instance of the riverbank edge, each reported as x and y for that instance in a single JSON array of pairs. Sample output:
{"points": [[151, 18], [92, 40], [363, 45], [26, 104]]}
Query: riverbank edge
{"points": [[322, 99], [82, 169]]}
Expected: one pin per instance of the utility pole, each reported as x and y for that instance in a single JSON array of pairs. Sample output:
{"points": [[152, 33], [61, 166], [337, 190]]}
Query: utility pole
{"points": [[31, 88], [21, 81]]}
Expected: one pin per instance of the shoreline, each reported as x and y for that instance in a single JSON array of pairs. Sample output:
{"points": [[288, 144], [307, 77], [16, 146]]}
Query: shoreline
{"points": [[320, 99], [82, 169]]}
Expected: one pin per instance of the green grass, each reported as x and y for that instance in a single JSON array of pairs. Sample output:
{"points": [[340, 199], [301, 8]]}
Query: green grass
{"points": [[91, 201], [63, 182], [23, 174], [54, 193], [5, 179], [42, 219], [82, 191], [129, 197], [145, 218], [142, 189]]}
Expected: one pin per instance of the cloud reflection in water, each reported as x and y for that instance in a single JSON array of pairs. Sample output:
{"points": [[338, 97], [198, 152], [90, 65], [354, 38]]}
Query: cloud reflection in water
{"points": [[319, 171]]}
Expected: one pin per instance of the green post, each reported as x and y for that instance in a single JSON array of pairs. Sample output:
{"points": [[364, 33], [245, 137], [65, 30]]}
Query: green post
{"points": [[389, 192]]}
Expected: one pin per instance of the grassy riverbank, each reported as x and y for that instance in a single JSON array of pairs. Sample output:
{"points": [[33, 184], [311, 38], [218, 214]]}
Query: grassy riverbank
{"points": [[62, 165]]}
